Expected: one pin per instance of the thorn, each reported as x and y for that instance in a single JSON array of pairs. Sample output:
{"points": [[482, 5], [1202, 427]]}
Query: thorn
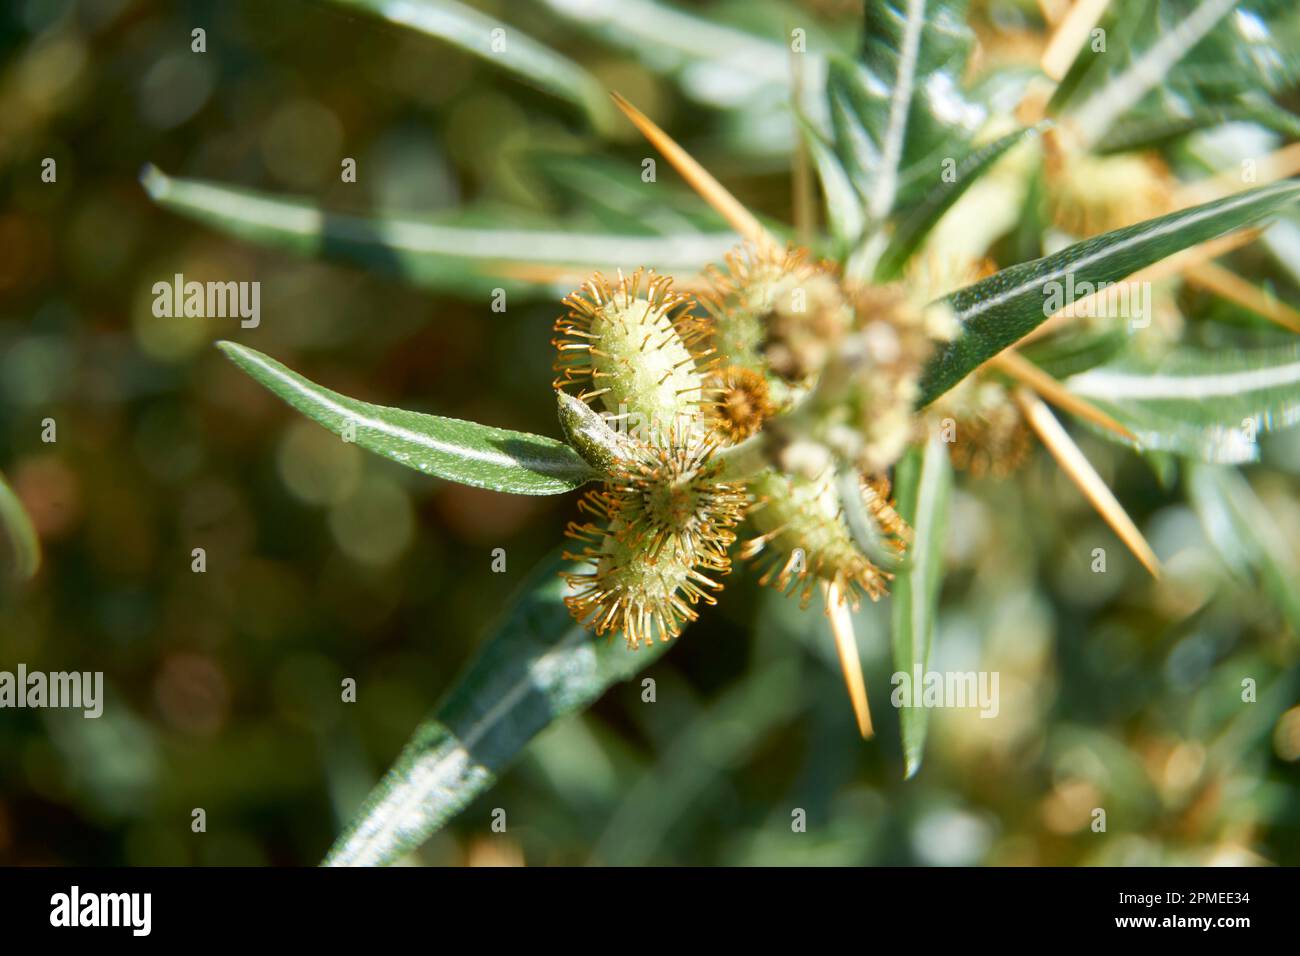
{"points": [[538, 272], [1053, 10], [1228, 285], [1026, 372], [845, 642], [1270, 168], [699, 179], [1069, 35], [1080, 471], [543, 273], [1180, 262]]}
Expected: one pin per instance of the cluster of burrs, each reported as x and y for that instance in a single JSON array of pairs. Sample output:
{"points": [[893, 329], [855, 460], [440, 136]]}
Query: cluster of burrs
{"points": [[780, 394]]}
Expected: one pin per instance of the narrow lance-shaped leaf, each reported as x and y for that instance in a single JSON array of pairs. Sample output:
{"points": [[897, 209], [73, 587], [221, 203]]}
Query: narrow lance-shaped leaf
{"points": [[1121, 28], [460, 451], [1148, 129], [844, 212], [1246, 535], [996, 312], [913, 55], [499, 44], [923, 485], [537, 666], [1180, 58], [14, 520], [426, 253], [1206, 405], [900, 110]]}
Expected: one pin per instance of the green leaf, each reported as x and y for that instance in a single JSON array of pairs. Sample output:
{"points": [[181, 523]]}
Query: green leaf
{"points": [[537, 666], [460, 451], [923, 484], [1209, 405], [917, 223], [14, 520], [1246, 535], [844, 212], [1175, 57], [473, 32], [998, 311], [424, 252], [1156, 127], [1122, 26], [900, 110], [851, 108]]}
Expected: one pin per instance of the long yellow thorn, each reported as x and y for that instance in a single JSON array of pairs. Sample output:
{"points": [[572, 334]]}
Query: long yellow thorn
{"points": [[1026, 372], [803, 204], [1180, 262], [544, 273], [847, 646], [1080, 471], [701, 180], [1268, 168], [1228, 285], [1069, 36], [1053, 11]]}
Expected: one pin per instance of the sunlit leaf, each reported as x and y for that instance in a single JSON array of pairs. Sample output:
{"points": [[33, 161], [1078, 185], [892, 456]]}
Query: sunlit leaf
{"points": [[26, 546], [426, 253], [1155, 127], [900, 110], [1210, 405], [614, 195], [460, 451], [996, 312], [844, 212], [1176, 57], [923, 485]]}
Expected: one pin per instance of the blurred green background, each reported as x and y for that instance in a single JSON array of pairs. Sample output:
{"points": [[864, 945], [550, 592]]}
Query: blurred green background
{"points": [[324, 562]]}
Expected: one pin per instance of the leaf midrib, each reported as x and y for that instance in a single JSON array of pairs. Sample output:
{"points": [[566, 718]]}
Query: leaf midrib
{"points": [[319, 396], [1175, 223]]}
